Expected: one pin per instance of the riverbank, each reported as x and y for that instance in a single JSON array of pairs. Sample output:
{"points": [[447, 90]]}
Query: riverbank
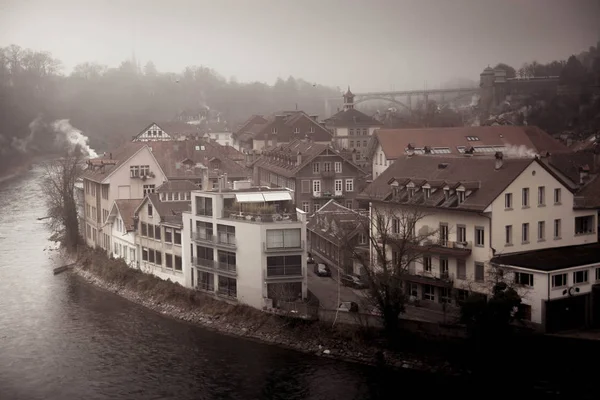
{"points": [[344, 342]]}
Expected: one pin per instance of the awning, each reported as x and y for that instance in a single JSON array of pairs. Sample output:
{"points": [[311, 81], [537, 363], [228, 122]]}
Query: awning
{"points": [[277, 196], [249, 198]]}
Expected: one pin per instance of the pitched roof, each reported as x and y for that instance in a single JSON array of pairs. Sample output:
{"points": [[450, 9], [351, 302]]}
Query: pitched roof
{"points": [[169, 211], [477, 174], [395, 141], [232, 153], [351, 117], [127, 207], [99, 168], [336, 222], [178, 159], [553, 258], [174, 128], [285, 124], [282, 159], [176, 186]]}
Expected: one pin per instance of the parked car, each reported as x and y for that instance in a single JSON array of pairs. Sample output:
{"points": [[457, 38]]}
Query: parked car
{"points": [[353, 282], [310, 259], [322, 270], [348, 306]]}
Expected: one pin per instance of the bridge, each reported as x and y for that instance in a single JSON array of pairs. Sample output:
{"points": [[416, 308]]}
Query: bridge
{"points": [[408, 99]]}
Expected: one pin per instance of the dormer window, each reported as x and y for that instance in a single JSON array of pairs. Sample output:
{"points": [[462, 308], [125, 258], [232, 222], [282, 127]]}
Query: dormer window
{"points": [[312, 130], [296, 130], [447, 193], [411, 193], [427, 192], [274, 131], [461, 196]]}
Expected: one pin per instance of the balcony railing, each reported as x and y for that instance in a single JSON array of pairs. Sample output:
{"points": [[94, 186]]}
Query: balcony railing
{"points": [[260, 217], [442, 275], [284, 248], [449, 244], [206, 212], [337, 193], [203, 262], [201, 236], [284, 271], [206, 286], [225, 267], [226, 239]]}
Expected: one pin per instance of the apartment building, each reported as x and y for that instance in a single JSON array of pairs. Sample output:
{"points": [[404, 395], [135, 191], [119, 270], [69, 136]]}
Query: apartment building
{"points": [[479, 209], [387, 145], [315, 172], [122, 233], [159, 234], [246, 244], [167, 131], [333, 230]]}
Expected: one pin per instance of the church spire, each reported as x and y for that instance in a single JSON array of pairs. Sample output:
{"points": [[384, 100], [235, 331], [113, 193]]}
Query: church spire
{"points": [[348, 100]]}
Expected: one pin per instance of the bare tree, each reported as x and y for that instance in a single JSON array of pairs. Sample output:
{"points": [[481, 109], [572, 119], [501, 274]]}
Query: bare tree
{"points": [[396, 246], [58, 186]]}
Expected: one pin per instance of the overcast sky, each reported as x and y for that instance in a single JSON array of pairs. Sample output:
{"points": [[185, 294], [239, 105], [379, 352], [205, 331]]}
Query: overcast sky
{"points": [[367, 44]]}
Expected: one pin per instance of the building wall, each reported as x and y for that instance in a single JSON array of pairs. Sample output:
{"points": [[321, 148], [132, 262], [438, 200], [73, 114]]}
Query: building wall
{"points": [[125, 243], [533, 177], [380, 162], [223, 138], [152, 133]]}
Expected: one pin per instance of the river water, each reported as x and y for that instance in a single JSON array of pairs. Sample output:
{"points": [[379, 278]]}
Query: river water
{"points": [[62, 338]]}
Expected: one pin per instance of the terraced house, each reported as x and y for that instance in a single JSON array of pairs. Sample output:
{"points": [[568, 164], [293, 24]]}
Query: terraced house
{"points": [[315, 172], [491, 211]]}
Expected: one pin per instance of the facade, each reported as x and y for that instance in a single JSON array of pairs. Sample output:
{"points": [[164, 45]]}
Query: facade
{"points": [[168, 131], [476, 208], [130, 172], [281, 128], [224, 138], [387, 145], [121, 220], [246, 244], [159, 236], [352, 129], [332, 230], [315, 172]]}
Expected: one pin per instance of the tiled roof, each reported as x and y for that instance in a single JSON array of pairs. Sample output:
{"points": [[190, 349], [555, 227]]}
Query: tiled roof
{"points": [[351, 117], [552, 259], [395, 141], [178, 185], [285, 123], [127, 209], [178, 128], [103, 166], [477, 174], [232, 153], [282, 159], [169, 211], [336, 222], [248, 127], [570, 163], [178, 158]]}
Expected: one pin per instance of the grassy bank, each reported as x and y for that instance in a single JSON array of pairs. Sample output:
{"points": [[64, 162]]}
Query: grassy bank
{"points": [[348, 342]]}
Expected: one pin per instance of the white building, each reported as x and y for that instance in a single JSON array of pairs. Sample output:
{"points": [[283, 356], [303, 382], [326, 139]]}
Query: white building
{"points": [[246, 244], [121, 219], [479, 208]]}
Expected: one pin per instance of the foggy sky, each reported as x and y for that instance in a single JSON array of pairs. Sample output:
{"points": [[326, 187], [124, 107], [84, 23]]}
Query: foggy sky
{"points": [[369, 44]]}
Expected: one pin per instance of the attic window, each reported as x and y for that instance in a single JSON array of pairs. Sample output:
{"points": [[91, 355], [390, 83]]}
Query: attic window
{"points": [[296, 130], [312, 130], [197, 147], [411, 193], [472, 138], [461, 196], [274, 131], [427, 192]]}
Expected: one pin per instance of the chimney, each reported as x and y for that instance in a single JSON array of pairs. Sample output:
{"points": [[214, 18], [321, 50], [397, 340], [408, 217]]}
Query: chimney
{"points": [[299, 158], [205, 179], [499, 156]]}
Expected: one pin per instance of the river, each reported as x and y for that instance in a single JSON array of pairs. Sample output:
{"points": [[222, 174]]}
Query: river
{"points": [[62, 338]]}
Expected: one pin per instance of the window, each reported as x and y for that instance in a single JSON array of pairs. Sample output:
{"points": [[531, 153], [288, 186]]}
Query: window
{"points": [[338, 167], [427, 263], [362, 239], [168, 260], [316, 206], [525, 197], [151, 231], [177, 237], [105, 192], [584, 225], [427, 192], [524, 279], [151, 256], [580, 276], [337, 186], [598, 274], [144, 229], [479, 272], [316, 168], [428, 292], [395, 226], [541, 230], [557, 229], [541, 195], [283, 238], [144, 254], [157, 232], [479, 236], [349, 204], [148, 189], [149, 210], [461, 196], [284, 265], [305, 185], [311, 129], [274, 131], [351, 132], [352, 143], [525, 233], [158, 258], [178, 263], [349, 185], [559, 280], [327, 166], [508, 234], [364, 132], [168, 235], [443, 233], [134, 171], [145, 169], [358, 143], [461, 269], [443, 267], [508, 201], [557, 196], [306, 206], [316, 186], [296, 130], [461, 233]]}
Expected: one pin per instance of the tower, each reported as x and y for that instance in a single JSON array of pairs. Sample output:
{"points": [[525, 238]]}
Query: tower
{"points": [[348, 100]]}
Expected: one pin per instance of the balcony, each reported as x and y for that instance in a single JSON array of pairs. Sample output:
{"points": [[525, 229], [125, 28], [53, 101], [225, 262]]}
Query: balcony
{"points": [[203, 237], [230, 269], [204, 212], [260, 217], [448, 247], [431, 277], [283, 249], [203, 263], [287, 271], [332, 195], [226, 240]]}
